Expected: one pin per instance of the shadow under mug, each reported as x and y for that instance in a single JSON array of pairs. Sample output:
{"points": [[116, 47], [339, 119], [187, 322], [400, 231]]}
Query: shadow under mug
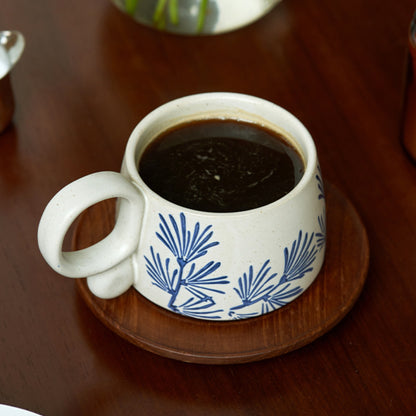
{"points": [[214, 266]]}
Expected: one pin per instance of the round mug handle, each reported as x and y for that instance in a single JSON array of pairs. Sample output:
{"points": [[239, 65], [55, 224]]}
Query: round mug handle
{"points": [[107, 262]]}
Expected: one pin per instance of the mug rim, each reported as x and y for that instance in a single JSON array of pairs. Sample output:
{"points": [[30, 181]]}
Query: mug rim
{"points": [[309, 156]]}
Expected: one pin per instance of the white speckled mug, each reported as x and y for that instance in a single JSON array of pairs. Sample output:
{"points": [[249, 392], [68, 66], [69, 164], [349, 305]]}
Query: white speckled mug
{"points": [[215, 266]]}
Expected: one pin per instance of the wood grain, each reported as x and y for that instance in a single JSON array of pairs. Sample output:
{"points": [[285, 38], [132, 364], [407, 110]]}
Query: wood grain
{"points": [[322, 306]]}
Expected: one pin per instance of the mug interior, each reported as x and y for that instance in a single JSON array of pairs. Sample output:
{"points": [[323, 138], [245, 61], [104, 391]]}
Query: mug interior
{"points": [[208, 106]]}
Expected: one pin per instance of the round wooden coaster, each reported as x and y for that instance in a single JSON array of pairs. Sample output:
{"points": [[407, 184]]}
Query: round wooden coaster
{"points": [[320, 308]]}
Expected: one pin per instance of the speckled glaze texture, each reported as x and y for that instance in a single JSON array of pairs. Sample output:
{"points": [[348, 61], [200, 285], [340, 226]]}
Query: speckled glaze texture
{"points": [[214, 266]]}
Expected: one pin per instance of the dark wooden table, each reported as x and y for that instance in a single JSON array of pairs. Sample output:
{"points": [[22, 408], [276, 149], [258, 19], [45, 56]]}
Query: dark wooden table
{"points": [[87, 76]]}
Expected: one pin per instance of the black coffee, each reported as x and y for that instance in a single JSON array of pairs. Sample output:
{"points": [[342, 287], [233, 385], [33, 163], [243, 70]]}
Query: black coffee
{"points": [[221, 165]]}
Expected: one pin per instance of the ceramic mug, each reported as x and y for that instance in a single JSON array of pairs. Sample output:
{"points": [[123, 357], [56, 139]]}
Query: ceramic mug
{"points": [[215, 266]]}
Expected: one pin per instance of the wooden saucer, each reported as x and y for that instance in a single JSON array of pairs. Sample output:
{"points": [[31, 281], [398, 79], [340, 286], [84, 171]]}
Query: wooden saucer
{"points": [[320, 308]]}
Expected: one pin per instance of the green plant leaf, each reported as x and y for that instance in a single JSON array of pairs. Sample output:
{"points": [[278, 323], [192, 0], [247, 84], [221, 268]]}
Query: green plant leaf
{"points": [[201, 15], [173, 11], [158, 17], [130, 6]]}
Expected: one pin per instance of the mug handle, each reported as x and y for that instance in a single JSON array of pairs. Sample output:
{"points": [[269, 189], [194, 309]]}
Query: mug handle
{"points": [[107, 263]]}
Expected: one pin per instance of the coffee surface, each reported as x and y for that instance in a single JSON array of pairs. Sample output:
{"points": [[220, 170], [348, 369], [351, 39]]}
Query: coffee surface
{"points": [[221, 165]]}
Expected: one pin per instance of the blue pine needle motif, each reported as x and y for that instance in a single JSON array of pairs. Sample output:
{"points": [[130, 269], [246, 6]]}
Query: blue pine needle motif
{"points": [[318, 177], [253, 288], [199, 308], [198, 281], [160, 273], [282, 296], [299, 260], [186, 247], [260, 287], [321, 235]]}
